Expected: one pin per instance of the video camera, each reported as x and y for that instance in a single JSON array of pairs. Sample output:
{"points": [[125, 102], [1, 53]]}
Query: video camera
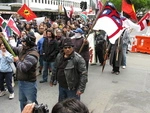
{"points": [[40, 109]]}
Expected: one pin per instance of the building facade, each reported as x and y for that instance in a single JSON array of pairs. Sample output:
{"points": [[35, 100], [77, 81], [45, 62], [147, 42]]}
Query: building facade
{"points": [[40, 7]]}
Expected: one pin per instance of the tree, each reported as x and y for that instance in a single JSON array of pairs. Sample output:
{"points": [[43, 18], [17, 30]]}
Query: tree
{"points": [[138, 4], [141, 6]]}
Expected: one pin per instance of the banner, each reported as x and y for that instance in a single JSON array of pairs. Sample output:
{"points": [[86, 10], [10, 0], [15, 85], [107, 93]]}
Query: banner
{"points": [[92, 59]]}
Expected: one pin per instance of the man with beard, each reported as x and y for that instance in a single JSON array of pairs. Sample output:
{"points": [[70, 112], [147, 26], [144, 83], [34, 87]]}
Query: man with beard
{"points": [[50, 51], [60, 39], [26, 63]]}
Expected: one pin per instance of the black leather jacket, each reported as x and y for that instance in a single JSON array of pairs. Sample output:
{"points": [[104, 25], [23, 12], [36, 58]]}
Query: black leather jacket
{"points": [[75, 72]]}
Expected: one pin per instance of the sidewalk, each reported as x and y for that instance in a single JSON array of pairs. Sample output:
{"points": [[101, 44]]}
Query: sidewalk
{"points": [[128, 92]]}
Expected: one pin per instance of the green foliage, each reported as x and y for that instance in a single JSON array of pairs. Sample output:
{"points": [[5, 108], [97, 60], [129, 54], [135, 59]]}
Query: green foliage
{"points": [[138, 4]]}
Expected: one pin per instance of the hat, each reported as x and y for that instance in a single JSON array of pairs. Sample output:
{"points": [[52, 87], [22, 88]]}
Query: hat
{"points": [[68, 42], [78, 30], [29, 39]]}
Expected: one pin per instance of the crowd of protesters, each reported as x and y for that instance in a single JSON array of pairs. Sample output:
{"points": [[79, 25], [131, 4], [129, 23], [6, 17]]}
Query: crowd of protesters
{"points": [[63, 53]]}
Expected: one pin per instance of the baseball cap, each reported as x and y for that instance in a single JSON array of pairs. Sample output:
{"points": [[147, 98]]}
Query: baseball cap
{"points": [[79, 30]]}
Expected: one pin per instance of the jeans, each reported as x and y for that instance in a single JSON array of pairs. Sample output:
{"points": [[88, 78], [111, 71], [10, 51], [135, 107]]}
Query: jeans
{"points": [[46, 66], [8, 79], [41, 60], [66, 93], [27, 93], [124, 50]]}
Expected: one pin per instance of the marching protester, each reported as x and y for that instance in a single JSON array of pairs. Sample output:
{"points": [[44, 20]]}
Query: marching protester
{"points": [[70, 72], [116, 55], [40, 51], [50, 51], [126, 41], [60, 39], [26, 63], [78, 39], [100, 46], [40, 39], [6, 71]]}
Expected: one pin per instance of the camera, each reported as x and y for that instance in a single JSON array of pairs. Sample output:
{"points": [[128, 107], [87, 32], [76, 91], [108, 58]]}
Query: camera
{"points": [[40, 109]]}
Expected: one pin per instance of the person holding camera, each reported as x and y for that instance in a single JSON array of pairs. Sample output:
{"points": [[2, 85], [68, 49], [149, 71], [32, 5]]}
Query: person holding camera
{"points": [[70, 72], [26, 63], [70, 105]]}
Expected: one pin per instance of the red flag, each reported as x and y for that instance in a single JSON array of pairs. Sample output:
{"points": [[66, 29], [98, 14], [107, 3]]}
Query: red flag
{"points": [[26, 12], [13, 26], [71, 11], [143, 21], [128, 10], [112, 18]]}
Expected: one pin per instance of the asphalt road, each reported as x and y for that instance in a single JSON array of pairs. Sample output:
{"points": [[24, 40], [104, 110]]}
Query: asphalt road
{"points": [[128, 92]]}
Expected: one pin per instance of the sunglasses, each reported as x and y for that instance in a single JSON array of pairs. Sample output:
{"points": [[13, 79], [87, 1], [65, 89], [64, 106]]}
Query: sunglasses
{"points": [[67, 47]]}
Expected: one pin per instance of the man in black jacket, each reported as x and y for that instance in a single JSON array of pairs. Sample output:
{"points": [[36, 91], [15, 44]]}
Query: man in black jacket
{"points": [[50, 51], [70, 72]]}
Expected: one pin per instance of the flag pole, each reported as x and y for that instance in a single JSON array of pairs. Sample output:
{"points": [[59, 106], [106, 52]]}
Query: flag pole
{"points": [[118, 48], [97, 16], [7, 45]]}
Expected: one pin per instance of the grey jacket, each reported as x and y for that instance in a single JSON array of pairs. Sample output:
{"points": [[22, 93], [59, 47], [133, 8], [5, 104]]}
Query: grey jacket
{"points": [[75, 72], [27, 64]]}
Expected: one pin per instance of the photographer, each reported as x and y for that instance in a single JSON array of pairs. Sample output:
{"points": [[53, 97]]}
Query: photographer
{"points": [[70, 105]]}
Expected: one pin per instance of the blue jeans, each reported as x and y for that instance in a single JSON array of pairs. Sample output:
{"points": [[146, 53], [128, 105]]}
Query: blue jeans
{"points": [[46, 66], [8, 79], [41, 60], [66, 93], [124, 50], [27, 93]]}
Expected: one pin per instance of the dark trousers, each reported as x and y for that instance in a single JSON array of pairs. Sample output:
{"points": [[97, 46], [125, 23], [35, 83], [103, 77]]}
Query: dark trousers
{"points": [[87, 65], [65, 93], [8, 79], [115, 68], [100, 55]]}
